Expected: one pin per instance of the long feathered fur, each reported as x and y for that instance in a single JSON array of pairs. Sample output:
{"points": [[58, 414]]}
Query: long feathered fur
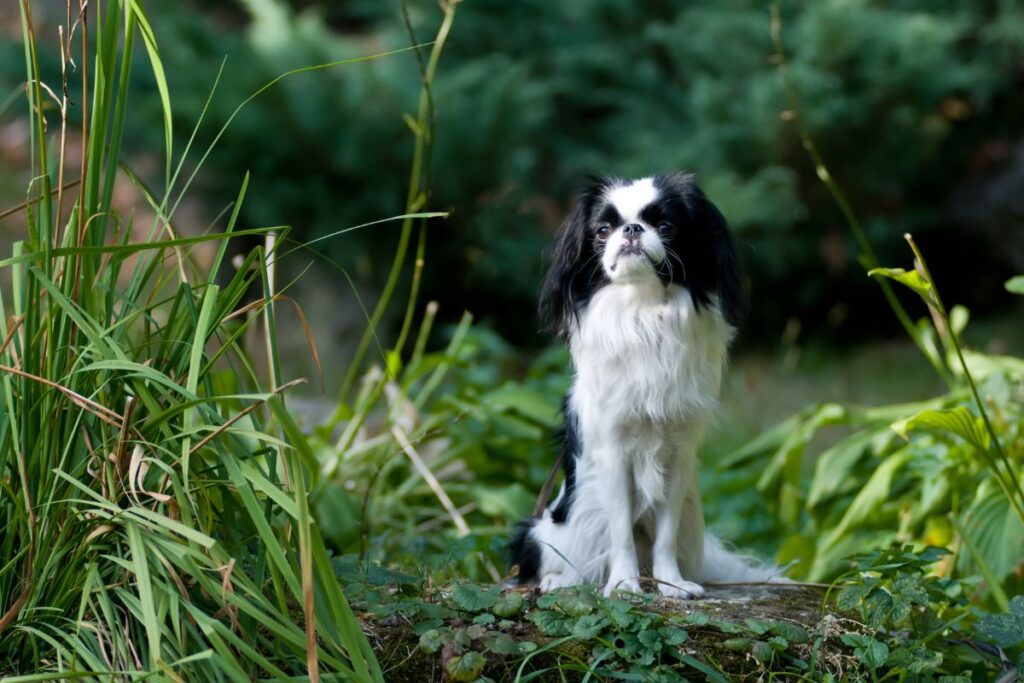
{"points": [[644, 284]]}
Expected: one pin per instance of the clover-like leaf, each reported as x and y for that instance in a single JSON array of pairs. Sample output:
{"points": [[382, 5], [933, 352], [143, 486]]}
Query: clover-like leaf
{"points": [[432, 640], [879, 605], [673, 636], [870, 652], [589, 626], [650, 639], [466, 668], [911, 588], [473, 598], [917, 660], [576, 602], [697, 618], [508, 604], [550, 622]]}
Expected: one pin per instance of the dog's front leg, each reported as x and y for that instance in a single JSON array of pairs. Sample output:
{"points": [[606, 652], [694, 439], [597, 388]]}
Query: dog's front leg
{"points": [[624, 569], [669, 518]]}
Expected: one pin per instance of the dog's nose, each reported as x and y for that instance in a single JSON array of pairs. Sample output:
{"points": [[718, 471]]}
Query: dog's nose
{"points": [[633, 230]]}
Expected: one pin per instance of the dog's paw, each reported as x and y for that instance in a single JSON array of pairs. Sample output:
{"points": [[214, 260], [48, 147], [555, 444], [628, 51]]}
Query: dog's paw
{"points": [[625, 585], [681, 589]]}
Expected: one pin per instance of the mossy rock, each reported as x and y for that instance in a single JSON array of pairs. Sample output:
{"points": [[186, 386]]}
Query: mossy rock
{"points": [[736, 632]]}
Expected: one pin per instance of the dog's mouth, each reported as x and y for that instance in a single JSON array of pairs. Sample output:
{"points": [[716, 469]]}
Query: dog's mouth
{"points": [[633, 251]]}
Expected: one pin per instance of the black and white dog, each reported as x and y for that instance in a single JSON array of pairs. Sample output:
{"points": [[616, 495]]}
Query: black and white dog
{"points": [[644, 284]]}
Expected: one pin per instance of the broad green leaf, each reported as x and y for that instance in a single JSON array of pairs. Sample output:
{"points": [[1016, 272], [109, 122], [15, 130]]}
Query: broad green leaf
{"points": [[833, 467], [871, 496], [524, 400], [994, 531], [959, 421]]}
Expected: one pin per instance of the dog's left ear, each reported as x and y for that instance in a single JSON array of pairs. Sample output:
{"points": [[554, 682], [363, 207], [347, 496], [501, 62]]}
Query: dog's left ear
{"points": [[727, 276]]}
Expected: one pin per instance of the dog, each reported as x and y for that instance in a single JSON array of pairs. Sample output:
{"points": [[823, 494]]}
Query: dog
{"points": [[644, 284]]}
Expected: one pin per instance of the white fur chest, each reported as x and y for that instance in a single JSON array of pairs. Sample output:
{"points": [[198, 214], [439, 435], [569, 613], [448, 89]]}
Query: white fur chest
{"points": [[643, 353]]}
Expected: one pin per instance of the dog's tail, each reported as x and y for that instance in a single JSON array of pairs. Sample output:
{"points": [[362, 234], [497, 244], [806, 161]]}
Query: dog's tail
{"points": [[722, 565]]}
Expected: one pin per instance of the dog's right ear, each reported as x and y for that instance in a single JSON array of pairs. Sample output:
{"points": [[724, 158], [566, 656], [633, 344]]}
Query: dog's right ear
{"points": [[569, 277]]}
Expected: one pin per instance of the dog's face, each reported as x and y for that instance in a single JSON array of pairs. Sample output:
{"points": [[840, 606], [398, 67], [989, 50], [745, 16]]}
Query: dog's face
{"points": [[659, 229]]}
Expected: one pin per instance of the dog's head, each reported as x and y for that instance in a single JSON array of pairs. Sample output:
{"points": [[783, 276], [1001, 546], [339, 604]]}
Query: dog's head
{"points": [[660, 228]]}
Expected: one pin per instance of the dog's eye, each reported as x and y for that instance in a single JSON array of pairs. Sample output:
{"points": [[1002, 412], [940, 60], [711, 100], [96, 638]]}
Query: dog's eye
{"points": [[666, 228], [603, 232]]}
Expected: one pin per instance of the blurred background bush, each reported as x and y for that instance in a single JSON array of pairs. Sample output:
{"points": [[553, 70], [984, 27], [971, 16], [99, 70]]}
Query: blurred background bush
{"points": [[916, 104]]}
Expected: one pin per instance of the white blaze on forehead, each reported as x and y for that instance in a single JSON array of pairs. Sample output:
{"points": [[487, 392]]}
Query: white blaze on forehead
{"points": [[629, 200]]}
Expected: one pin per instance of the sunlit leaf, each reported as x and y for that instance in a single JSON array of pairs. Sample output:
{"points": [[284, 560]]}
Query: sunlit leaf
{"points": [[910, 278]]}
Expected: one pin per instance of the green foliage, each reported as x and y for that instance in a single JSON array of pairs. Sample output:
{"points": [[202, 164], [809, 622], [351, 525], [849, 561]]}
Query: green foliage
{"points": [[537, 94], [484, 437], [895, 619], [917, 624], [466, 625], [953, 476]]}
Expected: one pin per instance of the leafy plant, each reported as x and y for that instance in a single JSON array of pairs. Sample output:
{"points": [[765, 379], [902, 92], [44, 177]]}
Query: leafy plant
{"points": [[943, 471]]}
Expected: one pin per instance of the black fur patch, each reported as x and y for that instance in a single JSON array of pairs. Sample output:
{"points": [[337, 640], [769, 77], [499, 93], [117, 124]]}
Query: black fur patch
{"points": [[570, 445], [524, 552]]}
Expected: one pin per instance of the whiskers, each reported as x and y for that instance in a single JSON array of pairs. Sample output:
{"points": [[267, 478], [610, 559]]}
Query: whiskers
{"points": [[666, 262]]}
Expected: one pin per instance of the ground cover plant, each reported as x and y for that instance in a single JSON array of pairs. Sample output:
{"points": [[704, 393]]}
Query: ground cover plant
{"points": [[169, 513]]}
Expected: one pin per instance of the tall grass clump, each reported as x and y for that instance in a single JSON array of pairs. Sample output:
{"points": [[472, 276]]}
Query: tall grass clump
{"points": [[154, 493]]}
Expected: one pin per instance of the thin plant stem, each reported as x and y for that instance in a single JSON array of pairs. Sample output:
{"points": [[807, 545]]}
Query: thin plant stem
{"points": [[868, 257], [940, 308]]}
